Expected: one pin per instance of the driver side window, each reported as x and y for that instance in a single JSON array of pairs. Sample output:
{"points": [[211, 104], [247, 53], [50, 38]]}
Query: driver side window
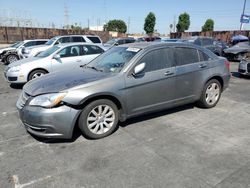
{"points": [[158, 59]]}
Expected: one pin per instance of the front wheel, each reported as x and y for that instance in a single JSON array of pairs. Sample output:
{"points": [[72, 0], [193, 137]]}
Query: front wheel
{"points": [[98, 119], [211, 94], [11, 58], [36, 74]]}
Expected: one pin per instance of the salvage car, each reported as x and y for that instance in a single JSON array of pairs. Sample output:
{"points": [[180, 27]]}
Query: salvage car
{"points": [[59, 57], [244, 67], [14, 52], [238, 51], [33, 51], [123, 82], [210, 43]]}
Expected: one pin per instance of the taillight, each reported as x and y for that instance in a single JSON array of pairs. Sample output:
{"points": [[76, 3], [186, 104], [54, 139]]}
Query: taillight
{"points": [[227, 64]]}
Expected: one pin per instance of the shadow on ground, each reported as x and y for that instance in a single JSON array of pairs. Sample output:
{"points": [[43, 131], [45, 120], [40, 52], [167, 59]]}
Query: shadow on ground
{"points": [[238, 75], [16, 86], [156, 115]]}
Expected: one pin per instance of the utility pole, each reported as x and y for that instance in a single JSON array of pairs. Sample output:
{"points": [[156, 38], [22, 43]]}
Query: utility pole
{"points": [[66, 16], [243, 12], [128, 25], [174, 23]]}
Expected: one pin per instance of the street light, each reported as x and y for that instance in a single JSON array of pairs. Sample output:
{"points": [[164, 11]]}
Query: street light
{"points": [[243, 12]]}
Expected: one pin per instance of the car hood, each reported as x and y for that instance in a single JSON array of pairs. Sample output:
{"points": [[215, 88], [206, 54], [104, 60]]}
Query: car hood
{"points": [[63, 80], [6, 49], [237, 49], [23, 61], [39, 47]]}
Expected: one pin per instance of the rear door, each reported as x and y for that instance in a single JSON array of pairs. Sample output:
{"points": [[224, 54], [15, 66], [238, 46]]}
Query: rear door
{"points": [[191, 68], [154, 88]]}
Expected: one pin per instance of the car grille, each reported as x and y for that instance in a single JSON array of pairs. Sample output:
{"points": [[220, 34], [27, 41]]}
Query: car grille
{"points": [[248, 67], [23, 99], [12, 78]]}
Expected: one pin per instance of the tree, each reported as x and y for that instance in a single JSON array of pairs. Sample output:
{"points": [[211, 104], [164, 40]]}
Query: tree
{"points": [[149, 23], [116, 25], [183, 23], [208, 26]]}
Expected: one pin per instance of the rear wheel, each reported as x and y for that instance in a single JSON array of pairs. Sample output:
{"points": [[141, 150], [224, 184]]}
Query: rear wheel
{"points": [[98, 119], [211, 94], [36, 74], [11, 58]]}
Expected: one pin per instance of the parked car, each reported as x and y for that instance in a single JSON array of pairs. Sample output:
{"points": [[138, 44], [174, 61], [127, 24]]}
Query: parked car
{"points": [[172, 40], [119, 41], [14, 52], [238, 51], [123, 82], [244, 67], [152, 39], [33, 51], [56, 58], [210, 43]]}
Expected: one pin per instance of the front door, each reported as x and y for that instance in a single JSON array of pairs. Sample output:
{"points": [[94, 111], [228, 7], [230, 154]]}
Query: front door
{"points": [[154, 88], [70, 57]]}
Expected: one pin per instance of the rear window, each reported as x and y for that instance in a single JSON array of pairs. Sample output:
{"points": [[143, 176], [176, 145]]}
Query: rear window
{"points": [[186, 56], [40, 42], [78, 39], [94, 39]]}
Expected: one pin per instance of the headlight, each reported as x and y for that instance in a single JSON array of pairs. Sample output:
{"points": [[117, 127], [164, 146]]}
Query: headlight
{"points": [[15, 69], [47, 100]]}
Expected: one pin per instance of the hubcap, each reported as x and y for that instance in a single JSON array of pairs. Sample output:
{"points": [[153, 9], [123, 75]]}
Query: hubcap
{"points": [[36, 75], [12, 58], [101, 119], [212, 93]]}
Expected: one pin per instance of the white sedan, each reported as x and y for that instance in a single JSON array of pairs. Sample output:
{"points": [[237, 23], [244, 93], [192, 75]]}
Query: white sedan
{"points": [[59, 57]]}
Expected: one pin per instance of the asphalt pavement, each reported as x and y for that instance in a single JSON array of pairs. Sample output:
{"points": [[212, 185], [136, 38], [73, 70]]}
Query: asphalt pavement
{"points": [[182, 147]]}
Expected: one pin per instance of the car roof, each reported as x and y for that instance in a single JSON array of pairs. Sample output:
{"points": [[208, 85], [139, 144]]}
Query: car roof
{"points": [[76, 36], [34, 40], [144, 45], [77, 43]]}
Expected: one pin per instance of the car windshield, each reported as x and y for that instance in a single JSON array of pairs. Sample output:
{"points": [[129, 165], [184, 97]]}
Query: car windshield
{"points": [[17, 44], [111, 42], [113, 60], [51, 41], [48, 52]]}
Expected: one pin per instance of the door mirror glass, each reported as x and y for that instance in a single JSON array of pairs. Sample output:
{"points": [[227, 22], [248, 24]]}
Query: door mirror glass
{"points": [[139, 68], [56, 56]]}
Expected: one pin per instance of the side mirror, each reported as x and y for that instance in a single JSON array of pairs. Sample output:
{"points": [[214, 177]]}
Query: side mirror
{"points": [[116, 44], [56, 56], [139, 68]]}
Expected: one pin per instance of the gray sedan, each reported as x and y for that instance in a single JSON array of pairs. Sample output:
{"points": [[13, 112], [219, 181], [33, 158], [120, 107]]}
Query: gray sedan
{"points": [[57, 58], [123, 82]]}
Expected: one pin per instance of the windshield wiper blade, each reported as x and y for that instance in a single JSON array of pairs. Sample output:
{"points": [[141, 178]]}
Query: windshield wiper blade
{"points": [[94, 68]]}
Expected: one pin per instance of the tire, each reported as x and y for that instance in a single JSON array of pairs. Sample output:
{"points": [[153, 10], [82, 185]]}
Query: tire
{"points": [[211, 94], [94, 124], [36, 73], [11, 58]]}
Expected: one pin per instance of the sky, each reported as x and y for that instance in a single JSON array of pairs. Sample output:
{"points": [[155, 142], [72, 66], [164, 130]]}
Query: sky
{"points": [[225, 13]]}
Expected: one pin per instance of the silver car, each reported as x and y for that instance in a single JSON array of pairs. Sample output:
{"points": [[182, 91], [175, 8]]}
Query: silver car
{"points": [[244, 67], [123, 82], [33, 51], [57, 58]]}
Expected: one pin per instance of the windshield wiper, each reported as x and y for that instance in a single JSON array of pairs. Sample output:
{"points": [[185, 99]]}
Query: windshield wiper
{"points": [[94, 68]]}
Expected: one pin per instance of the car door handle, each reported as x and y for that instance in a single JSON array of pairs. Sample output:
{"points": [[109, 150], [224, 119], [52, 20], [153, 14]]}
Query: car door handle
{"points": [[168, 73], [203, 65], [78, 60]]}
